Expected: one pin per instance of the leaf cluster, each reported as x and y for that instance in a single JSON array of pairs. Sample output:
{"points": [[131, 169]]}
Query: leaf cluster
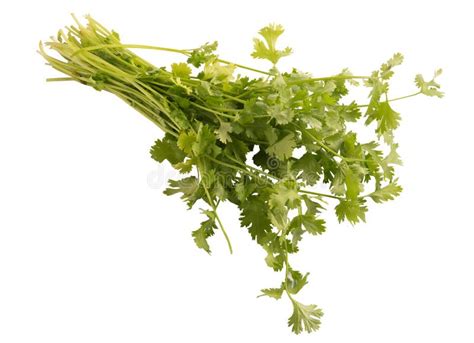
{"points": [[282, 146]]}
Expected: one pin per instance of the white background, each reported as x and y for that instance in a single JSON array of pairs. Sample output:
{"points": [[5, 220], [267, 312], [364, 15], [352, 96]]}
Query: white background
{"points": [[92, 251]]}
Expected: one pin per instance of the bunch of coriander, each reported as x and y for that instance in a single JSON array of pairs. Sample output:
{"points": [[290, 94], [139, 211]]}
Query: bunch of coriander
{"points": [[265, 144]]}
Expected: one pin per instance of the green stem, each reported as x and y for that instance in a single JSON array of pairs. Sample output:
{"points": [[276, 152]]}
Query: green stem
{"points": [[326, 147], [287, 269], [130, 46], [320, 142], [396, 99], [244, 67], [233, 167], [320, 194], [54, 79], [405, 97], [270, 176], [335, 77], [152, 47], [214, 209]]}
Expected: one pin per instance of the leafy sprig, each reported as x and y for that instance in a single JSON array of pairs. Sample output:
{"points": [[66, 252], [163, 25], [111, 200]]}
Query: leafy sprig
{"points": [[265, 144]]}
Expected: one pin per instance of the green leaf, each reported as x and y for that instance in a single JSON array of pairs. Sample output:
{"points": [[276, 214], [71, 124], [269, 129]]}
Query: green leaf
{"points": [[278, 215], [181, 70], [275, 261], [282, 149], [429, 88], [338, 183], [267, 50], [386, 71], [205, 231], [387, 119], [352, 210], [312, 207], [274, 293], [304, 317], [205, 143], [167, 149], [295, 281], [285, 193], [281, 114], [393, 157], [202, 54], [353, 184], [217, 72], [311, 224], [223, 132], [310, 168], [254, 217], [389, 192], [188, 186], [351, 112], [186, 141], [243, 190], [185, 167]]}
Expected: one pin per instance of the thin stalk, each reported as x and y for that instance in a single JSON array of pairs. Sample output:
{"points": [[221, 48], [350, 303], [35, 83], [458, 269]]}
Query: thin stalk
{"points": [[396, 99], [212, 111], [160, 48], [214, 208], [320, 194], [335, 77], [326, 147]]}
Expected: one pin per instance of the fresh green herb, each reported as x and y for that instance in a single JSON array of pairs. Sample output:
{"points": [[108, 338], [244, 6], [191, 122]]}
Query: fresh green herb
{"points": [[266, 144]]}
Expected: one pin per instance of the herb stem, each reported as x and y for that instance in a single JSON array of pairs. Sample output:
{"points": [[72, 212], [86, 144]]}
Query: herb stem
{"points": [[214, 209], [335, 77], [320, 194], [395, 99], [212, 111], [160, 48]]}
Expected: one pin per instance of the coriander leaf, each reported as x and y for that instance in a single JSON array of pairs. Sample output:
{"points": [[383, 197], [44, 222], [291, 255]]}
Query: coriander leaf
{"points": [[275, 261], [275, 293], [310, 168], [295, 281], [205, 231], [202, 54], [267, 50], [386, 71], [304, 317], [393, 157], [185, 167], [223, 132], [429, 88], [352, 182], [181, 70], [387, 118], [205, 142], [218, 72], [254, 217], [338, 183], [188, 186], [186, 141], [283, 149], [166, 149], [281, 114], [353, 210], [243, 189], [389, 192], [285, 193], [311, 224], [351, 112], [312, 207]]}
